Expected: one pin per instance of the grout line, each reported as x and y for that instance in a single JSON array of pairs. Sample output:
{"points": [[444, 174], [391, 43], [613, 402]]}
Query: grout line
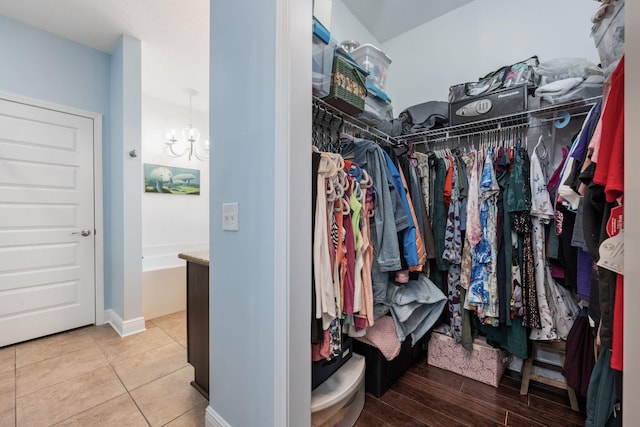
{"points": [[49, 337], [110, 364], [121, 382], [128, 392], [88, 409], [184, 413], [142, 385], [55, 383]]}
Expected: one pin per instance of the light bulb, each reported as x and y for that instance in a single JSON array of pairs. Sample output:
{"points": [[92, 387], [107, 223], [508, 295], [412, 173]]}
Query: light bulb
{"points": [[190, 133]]}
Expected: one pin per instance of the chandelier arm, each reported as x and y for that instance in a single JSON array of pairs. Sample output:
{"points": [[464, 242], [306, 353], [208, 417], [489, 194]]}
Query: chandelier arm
{"points": [[190, 143], [172, 153]]}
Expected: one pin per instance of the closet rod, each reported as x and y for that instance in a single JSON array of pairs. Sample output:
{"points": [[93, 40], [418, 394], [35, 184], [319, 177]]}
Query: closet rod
{"points": [[355, 123], [504, 130]]}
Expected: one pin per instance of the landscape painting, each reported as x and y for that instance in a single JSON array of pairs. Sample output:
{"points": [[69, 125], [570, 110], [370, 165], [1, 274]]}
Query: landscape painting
{"points": [[171, 180]]}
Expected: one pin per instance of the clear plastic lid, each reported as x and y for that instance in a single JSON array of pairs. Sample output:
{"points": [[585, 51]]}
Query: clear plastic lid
{"points": [[343, 383]]}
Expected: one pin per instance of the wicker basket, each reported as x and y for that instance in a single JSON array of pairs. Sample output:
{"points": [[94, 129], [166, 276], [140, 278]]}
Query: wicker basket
{"points": [[348, 86]]}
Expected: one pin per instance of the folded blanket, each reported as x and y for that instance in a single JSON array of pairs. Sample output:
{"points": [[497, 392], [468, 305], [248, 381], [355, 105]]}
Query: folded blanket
{"points": [[559, 87], [415, 307], [382, 335]]}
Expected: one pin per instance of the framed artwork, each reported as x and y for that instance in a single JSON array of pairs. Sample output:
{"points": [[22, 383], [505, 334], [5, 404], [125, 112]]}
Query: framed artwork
{"points": [[171, 180]]}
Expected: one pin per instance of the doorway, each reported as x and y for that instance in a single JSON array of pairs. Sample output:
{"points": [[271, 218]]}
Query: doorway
{"points": [[48, 245]]}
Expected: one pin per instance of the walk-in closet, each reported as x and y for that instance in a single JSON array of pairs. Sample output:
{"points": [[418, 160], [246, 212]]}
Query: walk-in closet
{"points": [[467, 186]]}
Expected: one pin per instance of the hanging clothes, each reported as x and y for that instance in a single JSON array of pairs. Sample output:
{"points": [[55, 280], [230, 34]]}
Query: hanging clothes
{"points": [[422, 170], [326, 294], [609, 173], [541, 214], [387, 213], [439, 211], [483, 288], [519, 201], [453, 253], [580, 358], [406, 228], [473, 230], [505, 248], [317, 334]]}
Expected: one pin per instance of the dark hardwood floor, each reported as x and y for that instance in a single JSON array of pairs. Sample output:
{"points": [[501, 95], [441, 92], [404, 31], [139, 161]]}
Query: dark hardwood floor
{"points": [[429, 396]]}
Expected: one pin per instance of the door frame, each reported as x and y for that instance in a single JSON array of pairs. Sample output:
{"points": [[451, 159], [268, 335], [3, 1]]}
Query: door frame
{"points": [[98, 212]]}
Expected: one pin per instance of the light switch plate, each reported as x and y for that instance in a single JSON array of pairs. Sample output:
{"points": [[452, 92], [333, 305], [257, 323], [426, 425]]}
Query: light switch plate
{"points": [[230, 216]]}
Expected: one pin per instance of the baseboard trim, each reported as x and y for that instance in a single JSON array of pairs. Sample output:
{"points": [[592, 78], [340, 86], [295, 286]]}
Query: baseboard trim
{"points": [[124, 327], [213, 419]]}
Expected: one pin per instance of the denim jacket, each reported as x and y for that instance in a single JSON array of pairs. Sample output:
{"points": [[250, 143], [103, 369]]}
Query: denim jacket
{"points": [[384, 234]]}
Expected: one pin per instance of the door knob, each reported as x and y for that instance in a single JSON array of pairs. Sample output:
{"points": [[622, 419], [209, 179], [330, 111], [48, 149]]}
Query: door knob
{"points": [[84, 232]]}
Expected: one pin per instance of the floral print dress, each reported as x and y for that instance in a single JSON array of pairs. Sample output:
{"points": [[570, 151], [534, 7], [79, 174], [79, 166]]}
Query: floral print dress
{"points": [[473, 229], [483, 288]]}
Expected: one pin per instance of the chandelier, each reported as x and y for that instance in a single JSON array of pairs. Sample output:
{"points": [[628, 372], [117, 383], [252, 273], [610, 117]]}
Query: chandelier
{"points": [[190, 143]]}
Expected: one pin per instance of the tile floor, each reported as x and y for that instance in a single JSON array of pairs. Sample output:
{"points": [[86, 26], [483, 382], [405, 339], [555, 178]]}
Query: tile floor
{"points": [[92, 377]]}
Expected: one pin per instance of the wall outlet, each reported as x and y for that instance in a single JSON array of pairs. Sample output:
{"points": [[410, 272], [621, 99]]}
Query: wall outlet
{"points": [[230, 216]]}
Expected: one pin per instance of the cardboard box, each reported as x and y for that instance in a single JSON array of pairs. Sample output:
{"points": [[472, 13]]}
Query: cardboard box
{"points": [[485, 363]]}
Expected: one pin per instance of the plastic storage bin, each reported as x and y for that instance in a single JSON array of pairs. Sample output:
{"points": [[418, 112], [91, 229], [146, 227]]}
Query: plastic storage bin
{"points": [[339, 400], [380, 373], [323, 369], [375, 61], [323, 51], [377, 107]]}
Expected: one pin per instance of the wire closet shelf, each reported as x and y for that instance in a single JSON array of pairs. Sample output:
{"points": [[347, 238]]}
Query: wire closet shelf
{"points": [[525, 119], [353, 122]]}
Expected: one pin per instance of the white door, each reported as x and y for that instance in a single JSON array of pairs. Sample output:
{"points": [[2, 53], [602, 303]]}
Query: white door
{"points": [[47, 264]]}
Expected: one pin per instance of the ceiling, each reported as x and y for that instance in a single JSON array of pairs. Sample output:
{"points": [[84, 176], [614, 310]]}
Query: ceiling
{"points": [[175, 34], [386, 19]]}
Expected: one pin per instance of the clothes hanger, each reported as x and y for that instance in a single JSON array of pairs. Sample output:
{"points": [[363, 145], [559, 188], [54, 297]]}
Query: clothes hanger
{"points": [[540, 144]]}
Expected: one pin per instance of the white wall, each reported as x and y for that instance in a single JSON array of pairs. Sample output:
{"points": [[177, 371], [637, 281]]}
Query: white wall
{"points": [[172, 223], [631, 386], [480, 37], [345, 26]]}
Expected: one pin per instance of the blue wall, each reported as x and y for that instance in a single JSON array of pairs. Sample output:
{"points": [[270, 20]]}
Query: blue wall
{"points": [[44, 66], [242, 170], [40, 65], [124, 173]]}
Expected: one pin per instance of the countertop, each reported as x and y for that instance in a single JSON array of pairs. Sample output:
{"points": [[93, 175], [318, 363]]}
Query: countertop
{"points": [[198, 257]]}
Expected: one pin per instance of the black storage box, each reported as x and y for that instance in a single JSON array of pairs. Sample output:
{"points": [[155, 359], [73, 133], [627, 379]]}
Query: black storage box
{"points": [[323, 369], [495, 104], [380, 373]]}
